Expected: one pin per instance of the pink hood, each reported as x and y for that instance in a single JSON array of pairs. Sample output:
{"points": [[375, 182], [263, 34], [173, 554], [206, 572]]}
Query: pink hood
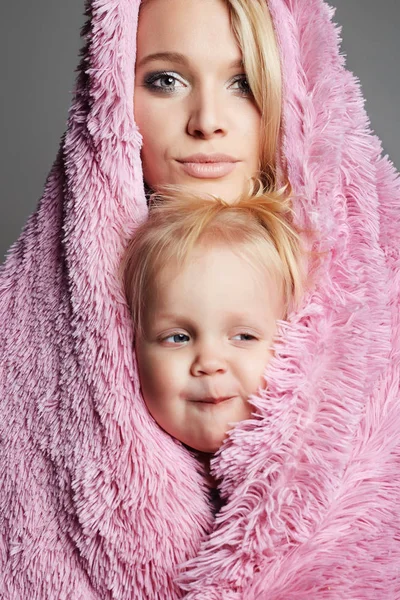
{"points": [[96, 501]]}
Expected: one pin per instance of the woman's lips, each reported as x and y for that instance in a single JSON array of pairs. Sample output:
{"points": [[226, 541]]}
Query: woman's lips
{"points": [[204, 166]]}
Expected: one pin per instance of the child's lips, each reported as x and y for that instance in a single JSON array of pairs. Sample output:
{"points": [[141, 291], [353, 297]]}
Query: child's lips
{"points": [[214, 400]]}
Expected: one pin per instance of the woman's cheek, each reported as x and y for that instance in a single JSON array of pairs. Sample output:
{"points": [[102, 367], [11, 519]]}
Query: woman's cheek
{"points": [[154, 154]]}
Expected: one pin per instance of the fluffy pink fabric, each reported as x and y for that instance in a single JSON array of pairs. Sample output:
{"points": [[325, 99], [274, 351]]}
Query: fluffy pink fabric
{"points": [[96, 501]]}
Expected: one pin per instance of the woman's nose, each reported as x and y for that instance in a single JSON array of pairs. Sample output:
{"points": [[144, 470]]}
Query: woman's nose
{"points": [[207, 116], [208, 360]]}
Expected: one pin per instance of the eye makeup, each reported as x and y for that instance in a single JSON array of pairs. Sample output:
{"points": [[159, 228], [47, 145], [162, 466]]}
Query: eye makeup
{"points": [[173, 81], [169, 77]]}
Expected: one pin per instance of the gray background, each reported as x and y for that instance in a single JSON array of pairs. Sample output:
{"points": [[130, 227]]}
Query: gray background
{"points": [[39, 45]]}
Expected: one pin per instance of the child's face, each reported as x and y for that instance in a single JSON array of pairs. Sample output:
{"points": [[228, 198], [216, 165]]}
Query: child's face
{"points": [[207, 338]]}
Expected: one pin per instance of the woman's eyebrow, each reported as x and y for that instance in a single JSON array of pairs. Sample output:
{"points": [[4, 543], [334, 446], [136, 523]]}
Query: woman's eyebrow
{"points": [[181, 59], [172, 56]]}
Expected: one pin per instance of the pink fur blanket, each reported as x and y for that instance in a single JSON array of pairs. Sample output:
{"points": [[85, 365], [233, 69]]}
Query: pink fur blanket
{"points": [[96, 501]]}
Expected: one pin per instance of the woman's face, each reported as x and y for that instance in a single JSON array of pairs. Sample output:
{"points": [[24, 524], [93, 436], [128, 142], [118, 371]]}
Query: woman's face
{"points": [[193, 107]]}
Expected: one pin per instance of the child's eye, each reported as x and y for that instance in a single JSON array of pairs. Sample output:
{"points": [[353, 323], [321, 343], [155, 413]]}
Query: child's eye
{"points": [[176, 338], [244, 337], [163, 81]]}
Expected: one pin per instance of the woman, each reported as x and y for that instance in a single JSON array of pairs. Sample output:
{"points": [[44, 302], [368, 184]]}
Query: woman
{"points": [[97, 502], [199, 98]]}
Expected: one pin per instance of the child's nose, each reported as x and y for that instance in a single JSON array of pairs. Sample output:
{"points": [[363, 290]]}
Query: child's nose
{"points": [[209, 360]]}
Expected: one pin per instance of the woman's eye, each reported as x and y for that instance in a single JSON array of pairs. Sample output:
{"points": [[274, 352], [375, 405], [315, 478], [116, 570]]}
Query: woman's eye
{"points": [[162, 82], [241, 84], [177, 338], [244, 337]]}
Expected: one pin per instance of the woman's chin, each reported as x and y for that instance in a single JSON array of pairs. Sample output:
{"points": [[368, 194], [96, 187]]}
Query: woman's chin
{"points": [[228, 189]]}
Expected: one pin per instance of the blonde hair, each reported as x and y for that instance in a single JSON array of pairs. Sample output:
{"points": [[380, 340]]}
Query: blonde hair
{"points": [[254, 30], [257, 227]]}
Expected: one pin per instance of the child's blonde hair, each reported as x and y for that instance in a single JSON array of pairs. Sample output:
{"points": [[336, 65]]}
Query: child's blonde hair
{"points": [[258, 228]]}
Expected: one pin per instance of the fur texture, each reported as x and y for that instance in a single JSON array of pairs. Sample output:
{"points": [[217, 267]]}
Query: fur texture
{"points": [[96, 501]]}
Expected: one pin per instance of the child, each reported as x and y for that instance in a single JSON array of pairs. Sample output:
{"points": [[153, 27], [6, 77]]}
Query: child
{"points": [[206, 283]]}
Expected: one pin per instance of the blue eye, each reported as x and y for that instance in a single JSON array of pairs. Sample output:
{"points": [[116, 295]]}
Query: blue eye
{"points": [[162, 81], [177, 338], [244, 337], [243, 86]]}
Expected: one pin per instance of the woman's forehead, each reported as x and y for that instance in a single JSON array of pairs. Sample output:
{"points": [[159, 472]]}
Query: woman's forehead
{"points": [[194, 29]]}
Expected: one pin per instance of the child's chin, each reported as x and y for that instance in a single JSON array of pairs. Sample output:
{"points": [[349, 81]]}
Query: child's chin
{"points": [[209, 446]]}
